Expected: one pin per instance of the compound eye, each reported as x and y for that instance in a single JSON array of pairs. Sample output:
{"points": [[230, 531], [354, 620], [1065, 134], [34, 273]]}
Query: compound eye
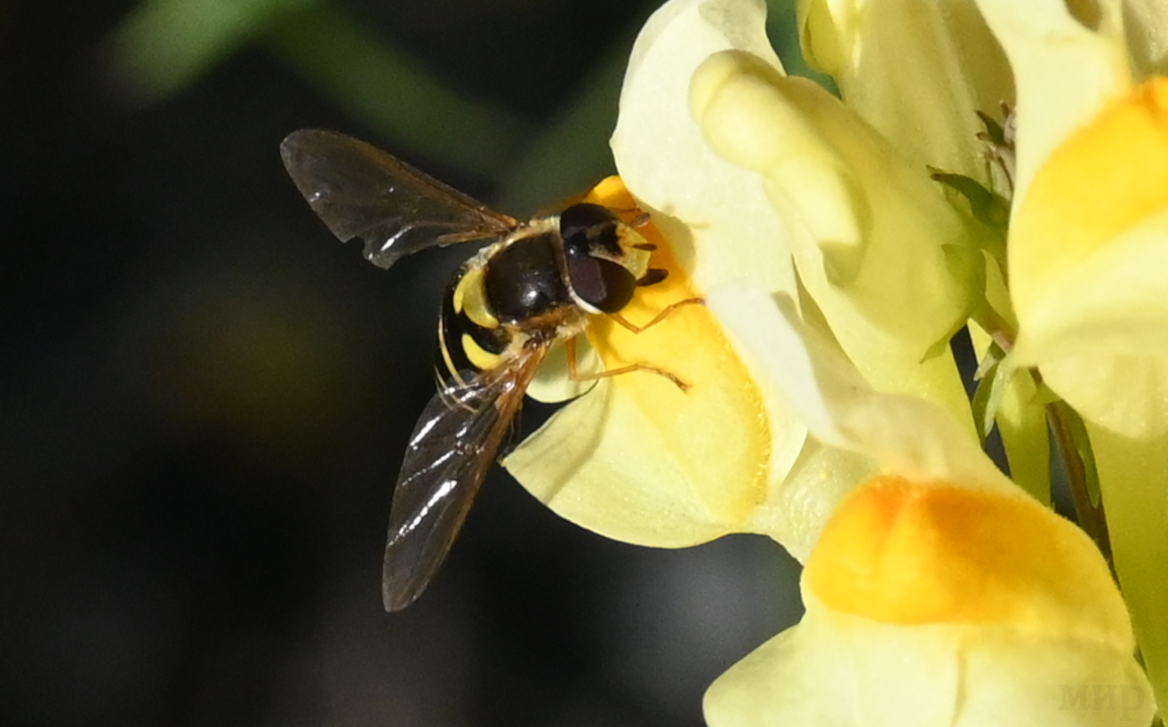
{"points": [[588, 229], [602, 284]]}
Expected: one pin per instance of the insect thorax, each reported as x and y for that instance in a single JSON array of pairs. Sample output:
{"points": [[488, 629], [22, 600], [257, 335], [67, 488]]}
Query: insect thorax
{"points": [[510, 295]]}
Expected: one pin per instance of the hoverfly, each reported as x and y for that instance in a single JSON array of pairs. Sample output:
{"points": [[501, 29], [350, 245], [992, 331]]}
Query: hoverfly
{"points": [[535, 284]]}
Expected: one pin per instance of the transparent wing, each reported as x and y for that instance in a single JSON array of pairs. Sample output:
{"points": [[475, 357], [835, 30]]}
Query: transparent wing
{"points": [[452, 447], [360, 191]]}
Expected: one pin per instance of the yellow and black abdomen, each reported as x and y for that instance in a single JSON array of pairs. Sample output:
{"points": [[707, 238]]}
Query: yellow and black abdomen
{"points": [[499, 300]]}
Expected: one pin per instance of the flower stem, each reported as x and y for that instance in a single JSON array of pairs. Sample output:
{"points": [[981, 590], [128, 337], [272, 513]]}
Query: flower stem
{"points": [[1089, 513]]}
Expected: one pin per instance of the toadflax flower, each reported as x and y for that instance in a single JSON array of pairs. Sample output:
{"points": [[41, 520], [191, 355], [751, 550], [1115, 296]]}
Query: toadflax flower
{"points": [[885, 265], [939, 593], [825, 408], [1087, 250]]}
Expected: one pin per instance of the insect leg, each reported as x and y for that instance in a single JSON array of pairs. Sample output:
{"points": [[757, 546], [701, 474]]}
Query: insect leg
{"points": [[575, 375], [662, 315]]}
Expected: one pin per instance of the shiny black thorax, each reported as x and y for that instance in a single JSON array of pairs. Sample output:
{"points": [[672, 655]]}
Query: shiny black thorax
{"points": [[525, 280], [536, 286]]}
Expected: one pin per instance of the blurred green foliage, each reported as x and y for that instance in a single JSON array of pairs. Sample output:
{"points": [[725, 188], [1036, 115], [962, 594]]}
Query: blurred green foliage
{"points": [[165, 45]]}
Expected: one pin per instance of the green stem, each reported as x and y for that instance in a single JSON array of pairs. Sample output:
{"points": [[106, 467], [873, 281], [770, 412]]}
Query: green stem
{"points": [[1089, 515]]}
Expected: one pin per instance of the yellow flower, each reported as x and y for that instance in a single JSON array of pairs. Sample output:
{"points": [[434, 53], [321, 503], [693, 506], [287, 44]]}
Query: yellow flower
{"points": [[918, 72], [752, 177], [634, 459], [933, 603], [939, 592], [882, 254], [1087, 249], [826, 410]]}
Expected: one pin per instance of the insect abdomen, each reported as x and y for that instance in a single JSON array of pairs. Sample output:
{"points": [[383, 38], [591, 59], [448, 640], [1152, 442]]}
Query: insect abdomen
{"points": [[470, 336]]}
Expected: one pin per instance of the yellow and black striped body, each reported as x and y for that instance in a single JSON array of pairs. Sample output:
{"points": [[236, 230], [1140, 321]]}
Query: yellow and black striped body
{"points": [[511, 295], [537, 285]]}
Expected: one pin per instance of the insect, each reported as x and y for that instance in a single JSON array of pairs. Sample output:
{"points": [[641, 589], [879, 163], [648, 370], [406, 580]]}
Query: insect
{"points": [[535, 284]]}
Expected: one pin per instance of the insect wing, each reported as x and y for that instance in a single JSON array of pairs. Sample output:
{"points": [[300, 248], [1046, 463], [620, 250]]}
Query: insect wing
{"points": [[360, 191], [452, 447]]}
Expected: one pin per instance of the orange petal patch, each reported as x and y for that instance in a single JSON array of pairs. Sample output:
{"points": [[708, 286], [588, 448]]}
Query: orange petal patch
{"points": [[905, 553], [689, 344], [1105, 179]]}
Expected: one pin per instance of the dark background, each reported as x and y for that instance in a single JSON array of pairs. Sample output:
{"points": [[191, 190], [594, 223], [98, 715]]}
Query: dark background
{"points": [[205, 396]]}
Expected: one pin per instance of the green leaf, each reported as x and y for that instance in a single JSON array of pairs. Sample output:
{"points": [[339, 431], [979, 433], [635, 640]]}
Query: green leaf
{"points": [[994, 133], [987, 207]]}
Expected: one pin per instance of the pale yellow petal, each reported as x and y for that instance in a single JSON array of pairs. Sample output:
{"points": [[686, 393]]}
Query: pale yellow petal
{"points": [[637, 459], [714, 213], [634, 458], [916, 71], [856, 429], [898, 433], [1108, 177], [845, 671], [783, 353], [553, 385], [1088, 245], [1133, 472], [880, 250], [935, 603], [1110, 308], [1087, 253], [604, 464], [1066, 67], [798, 506]]}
